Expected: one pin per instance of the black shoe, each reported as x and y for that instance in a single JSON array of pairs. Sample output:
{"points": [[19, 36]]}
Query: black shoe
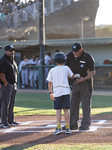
{"points": [[14, 123], [5, 125], [73, 127], [84, 127]]}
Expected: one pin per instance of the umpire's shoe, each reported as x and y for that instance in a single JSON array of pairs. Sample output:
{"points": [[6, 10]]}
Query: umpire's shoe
{"points": [[14, 123], [5, 126], [71, 127], [74, 127], [84, 127]]}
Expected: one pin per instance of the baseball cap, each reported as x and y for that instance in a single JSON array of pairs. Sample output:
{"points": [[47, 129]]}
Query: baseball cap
{"points": [[9, 48], [76, 47], [45, 52]]}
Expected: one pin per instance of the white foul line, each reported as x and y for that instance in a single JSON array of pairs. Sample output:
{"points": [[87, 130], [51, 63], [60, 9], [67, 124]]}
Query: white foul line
{"points": [[101, 121], [10, 130], [50, 126], [26, 123]]}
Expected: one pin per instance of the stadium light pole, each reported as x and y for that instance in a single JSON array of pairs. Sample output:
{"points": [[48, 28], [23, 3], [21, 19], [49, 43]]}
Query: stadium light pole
{"points": [[82, 28], [41, 42]]}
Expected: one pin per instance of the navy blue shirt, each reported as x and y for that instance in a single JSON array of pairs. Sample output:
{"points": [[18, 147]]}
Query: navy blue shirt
{"points": [[80, 65], [9, 68]]}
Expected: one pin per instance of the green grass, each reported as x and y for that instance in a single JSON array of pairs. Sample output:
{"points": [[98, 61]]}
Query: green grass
{"points": [[33, 103], [40, 103], [60, 147]]}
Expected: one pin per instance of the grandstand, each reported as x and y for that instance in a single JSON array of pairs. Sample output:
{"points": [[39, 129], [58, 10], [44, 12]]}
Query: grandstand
{"points": [[62, 20]]}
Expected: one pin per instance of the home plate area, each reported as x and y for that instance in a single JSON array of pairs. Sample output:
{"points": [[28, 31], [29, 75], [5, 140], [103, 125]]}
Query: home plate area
{"points": [[50, 125]]}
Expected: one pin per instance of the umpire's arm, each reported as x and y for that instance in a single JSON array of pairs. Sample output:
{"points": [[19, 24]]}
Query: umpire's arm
{"points": [[83, 79], [2, 77]]}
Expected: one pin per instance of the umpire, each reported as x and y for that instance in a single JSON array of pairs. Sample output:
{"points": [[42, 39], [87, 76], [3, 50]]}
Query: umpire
{"points": [[81, 63], [8, 81]]}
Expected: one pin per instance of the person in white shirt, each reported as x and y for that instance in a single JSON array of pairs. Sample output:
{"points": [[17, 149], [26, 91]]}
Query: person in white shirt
{"points": [[32, 63], [58, 81], [47, 61], [24, 72]]}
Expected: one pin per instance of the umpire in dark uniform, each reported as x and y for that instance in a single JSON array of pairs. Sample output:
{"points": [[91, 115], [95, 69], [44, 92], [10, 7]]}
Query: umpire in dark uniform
{"points": [[82, 65], [8, 81]]}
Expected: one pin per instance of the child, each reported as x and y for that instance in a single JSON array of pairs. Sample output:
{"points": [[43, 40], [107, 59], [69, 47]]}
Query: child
{"points": [[58, 81]]}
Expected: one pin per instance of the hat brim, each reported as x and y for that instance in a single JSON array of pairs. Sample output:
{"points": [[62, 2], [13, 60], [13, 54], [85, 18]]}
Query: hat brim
{"points": [[12, 49], [75, 50]]}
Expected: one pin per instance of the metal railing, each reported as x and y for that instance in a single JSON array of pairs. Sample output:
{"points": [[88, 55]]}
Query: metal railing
{"points": [[102, 78]]}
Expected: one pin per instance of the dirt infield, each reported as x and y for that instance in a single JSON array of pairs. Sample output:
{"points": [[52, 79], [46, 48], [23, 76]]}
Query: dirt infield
{"points": [[39, 130]]}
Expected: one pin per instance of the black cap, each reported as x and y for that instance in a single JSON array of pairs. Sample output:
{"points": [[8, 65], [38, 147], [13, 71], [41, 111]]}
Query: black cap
{"points": [[76, 47], [0, 47], [9, 48]]}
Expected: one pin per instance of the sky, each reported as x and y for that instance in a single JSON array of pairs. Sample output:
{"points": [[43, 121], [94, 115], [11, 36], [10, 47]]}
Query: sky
{"points": [[104, 13]]}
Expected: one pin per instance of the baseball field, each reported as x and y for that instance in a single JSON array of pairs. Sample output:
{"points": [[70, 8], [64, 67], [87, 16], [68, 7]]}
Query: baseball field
{"points": [[36, 116]]}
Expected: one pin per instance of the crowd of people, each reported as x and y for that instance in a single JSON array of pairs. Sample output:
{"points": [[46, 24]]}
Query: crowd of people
{"points": [[14, 14], [29, 75]]}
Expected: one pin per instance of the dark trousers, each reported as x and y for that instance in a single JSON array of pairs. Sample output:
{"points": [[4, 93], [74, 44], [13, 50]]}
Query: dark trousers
{"points": [[7, 103], [0, 101], [80, 93]]}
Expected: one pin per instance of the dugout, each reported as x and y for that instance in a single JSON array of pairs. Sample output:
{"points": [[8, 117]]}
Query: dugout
{"points": [[99, 48]]}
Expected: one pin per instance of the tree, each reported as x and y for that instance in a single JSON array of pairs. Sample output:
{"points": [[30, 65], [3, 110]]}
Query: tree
{"points": [[104, 31]]}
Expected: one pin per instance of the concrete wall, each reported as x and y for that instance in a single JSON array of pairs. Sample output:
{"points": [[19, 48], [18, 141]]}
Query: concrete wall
{"points": [[99, 48]]}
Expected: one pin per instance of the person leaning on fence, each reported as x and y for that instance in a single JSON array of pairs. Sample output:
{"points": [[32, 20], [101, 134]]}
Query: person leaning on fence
{"points": [[82, 64], [36, 73], [32, 71], [8, 81], [58, 80], [24, 71], [47, 61]]}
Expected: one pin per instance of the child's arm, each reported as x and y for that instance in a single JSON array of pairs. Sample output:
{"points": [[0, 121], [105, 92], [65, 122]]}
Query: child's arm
{"points": [[50, 90]]}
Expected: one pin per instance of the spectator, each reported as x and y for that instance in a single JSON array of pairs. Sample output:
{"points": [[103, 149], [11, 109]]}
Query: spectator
{"points": [[24, 72], [32, 71], [47, 61], [51, 62], [56, 51], [30, 2], [15, 18], [3, 17], [29, 10], [24, 16], [36, 73]]}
